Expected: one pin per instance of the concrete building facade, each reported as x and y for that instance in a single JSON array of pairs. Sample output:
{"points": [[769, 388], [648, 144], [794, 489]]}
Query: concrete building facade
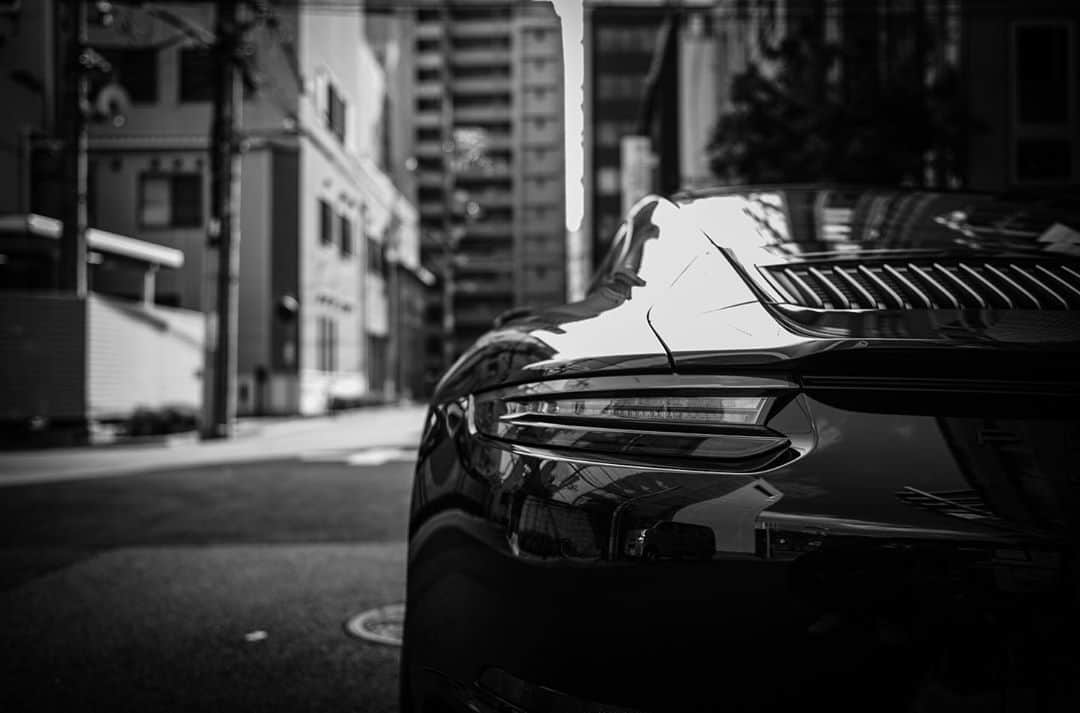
{"points": [[76, 367], [478, 134], [317, 215]]}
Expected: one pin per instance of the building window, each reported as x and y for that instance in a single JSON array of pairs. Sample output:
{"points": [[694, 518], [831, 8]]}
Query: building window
{"points": [[428, 104], [1043, 160], [481, 72], [171, 200], [326, 343], [617, 39], [326, 223], [1042, 73], [1044, 102], [618, 86], [610, 133], [136, 70], [480, 43], [196, 74], [336, 111], [345, 228], [376, 260]]}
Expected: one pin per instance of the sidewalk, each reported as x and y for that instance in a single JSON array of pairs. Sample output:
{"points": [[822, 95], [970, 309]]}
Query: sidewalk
{"points": [[258, 440]]}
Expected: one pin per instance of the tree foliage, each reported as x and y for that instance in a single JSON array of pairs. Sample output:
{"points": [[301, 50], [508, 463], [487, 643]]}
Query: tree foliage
{"points": [[791, 119]]}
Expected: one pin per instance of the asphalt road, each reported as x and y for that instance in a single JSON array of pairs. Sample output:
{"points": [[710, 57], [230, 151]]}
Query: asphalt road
{"points": [[145, 593]]}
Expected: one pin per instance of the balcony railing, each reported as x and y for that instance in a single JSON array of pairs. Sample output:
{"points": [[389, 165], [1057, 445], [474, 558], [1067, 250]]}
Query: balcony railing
{"points": [[472, 57], [429, 148], [430, 89], [494, 84], [428, 119], [490, 229], [429, 60], [487, 112], [429, 178], [480, 28], [429, 30]]}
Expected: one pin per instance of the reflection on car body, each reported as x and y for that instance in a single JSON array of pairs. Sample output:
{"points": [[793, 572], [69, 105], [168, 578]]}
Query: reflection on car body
{"points": [[668, 539]]}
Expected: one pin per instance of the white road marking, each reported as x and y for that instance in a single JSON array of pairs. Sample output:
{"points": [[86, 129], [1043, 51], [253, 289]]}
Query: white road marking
{"points": [[367, 457]]}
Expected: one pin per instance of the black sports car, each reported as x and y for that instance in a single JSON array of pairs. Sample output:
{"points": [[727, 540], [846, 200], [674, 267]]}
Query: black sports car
{"points": [[798, 446]]}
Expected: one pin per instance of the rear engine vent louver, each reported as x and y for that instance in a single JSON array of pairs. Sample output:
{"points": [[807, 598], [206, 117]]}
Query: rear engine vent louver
{"points": [[944, 284]]}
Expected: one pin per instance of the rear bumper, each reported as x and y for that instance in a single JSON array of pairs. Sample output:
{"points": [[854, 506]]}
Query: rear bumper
{"points": [[678, 636], [520, 596]]}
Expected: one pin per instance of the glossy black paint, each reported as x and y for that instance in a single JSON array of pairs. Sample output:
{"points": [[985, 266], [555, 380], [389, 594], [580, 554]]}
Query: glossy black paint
{"points": [[913, 549]]}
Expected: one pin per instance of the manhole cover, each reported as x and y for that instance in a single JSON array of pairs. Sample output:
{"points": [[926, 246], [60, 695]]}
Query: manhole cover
{"points": [[382, 625]]}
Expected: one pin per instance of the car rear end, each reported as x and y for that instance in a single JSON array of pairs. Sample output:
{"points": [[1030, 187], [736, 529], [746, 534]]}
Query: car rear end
{"points": [[890, 494]]}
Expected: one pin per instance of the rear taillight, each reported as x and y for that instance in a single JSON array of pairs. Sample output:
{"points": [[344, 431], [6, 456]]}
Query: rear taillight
{"points": [[716, 418]]}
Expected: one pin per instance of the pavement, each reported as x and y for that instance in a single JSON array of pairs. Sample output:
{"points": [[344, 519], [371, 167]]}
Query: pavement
{"points": [[210, 576], [170, 629], [384, 426]]}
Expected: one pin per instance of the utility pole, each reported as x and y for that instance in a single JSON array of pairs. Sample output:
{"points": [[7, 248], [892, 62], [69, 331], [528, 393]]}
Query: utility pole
{"points": [[223, 235], [76, 90]]}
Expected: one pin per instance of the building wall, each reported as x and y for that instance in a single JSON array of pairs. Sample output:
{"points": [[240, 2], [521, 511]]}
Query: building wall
{"points": [[282, 393], [391, 36], [67, 360], [292, 160], [141, 358], [26, 84], [331, 283], [540, 258], [42, 357], [699, 96], [496, 67], [992, 64], [256, 299], [113, 204]]}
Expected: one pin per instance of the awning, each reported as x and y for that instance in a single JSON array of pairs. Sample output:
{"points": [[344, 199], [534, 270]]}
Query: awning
{"points": [[41, 226]]}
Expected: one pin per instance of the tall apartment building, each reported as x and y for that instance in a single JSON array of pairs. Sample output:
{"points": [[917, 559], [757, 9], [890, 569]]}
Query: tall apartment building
{"points": [[479, 126]]}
